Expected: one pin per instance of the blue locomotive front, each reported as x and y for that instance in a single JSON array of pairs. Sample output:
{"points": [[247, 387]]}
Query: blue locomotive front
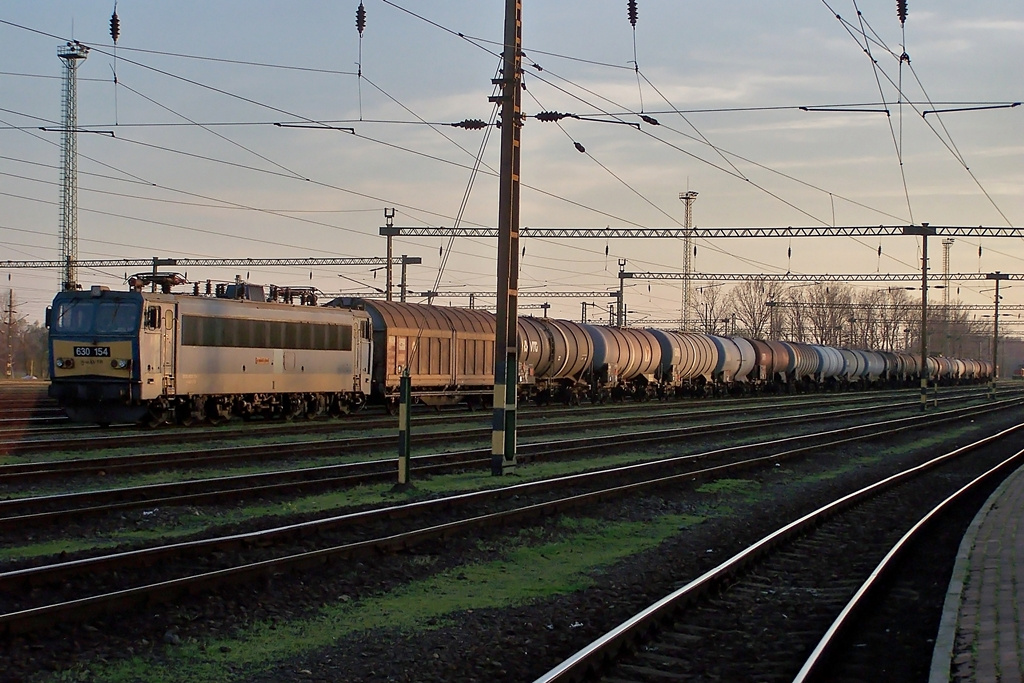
{"points": [[94, 348]]}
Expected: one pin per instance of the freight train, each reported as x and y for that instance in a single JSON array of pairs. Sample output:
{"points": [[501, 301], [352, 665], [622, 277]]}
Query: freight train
{"points": [[160, 357]]}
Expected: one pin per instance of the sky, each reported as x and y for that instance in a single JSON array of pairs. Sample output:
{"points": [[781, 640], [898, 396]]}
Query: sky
{"points": [[186, 160]]}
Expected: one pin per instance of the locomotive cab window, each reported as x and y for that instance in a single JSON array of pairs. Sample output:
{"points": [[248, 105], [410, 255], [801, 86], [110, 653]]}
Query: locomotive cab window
{"points": [[153, 318], [107, 317]]}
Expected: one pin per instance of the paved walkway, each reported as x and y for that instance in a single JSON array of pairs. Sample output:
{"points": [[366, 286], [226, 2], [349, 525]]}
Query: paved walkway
{"points": [[980, 638]]}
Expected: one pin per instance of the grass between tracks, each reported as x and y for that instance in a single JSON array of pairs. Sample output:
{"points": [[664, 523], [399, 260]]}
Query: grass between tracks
{"points": [[527, 572], [144, 526], [532, 567]]}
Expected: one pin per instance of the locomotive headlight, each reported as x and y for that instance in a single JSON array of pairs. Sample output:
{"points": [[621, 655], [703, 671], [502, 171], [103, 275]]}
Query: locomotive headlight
{"points": [[64, 363], [120, 363]]}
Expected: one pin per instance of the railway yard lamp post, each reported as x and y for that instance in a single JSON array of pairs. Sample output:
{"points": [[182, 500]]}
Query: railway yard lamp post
{"points": [[997, 276], [923, 231], [389, 231], [621, 307]]}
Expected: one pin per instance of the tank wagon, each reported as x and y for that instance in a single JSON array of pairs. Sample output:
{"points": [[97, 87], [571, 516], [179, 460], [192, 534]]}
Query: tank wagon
{"points": [[162, 357], [557, 357]]}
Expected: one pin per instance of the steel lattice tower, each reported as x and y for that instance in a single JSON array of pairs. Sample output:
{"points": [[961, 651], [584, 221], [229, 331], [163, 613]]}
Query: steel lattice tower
{"points": [[947, 244], [72, 53], [684, 318]]}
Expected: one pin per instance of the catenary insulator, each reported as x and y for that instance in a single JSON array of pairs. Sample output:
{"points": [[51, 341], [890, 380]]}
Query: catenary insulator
{"points": [[650, 119], [471, 124], [901, 10], [632, 12], [360, 18], [115, 27], [580, 148]]}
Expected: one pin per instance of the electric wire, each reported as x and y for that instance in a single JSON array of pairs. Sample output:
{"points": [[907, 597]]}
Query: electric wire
{"points": [[459, 34], [892, 131]]}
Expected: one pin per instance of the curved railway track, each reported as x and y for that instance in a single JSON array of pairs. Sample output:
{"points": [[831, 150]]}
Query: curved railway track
{"points": [[785, 607], [37, 597]]}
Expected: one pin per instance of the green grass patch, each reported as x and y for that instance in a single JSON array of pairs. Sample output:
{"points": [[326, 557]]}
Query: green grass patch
{"points": [[524, 573], [745, 489], [188, 522]]}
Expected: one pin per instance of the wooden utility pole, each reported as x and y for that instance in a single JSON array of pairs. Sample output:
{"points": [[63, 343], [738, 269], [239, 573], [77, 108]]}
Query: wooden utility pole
{"points": [[506, 346]]}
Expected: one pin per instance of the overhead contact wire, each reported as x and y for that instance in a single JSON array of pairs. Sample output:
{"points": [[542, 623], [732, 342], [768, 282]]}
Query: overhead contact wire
{"points": [[881, 93]]}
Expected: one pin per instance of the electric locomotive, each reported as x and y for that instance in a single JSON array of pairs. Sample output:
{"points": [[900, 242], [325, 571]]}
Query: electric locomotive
{"points": [[158, 357]]}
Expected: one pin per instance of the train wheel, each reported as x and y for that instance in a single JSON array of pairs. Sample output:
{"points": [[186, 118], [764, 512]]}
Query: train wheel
{"points": [[190, 412], [316, 406], [294, 407], [216, 413], [158, 414]]}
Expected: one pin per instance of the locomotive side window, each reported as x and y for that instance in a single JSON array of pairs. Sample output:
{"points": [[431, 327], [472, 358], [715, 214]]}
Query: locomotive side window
{"points": [[152, 317], [260, 330], [191, 330], [277, 335], [291, 336], [345, 333], [306, 338], [244, 333], [235, 332]]}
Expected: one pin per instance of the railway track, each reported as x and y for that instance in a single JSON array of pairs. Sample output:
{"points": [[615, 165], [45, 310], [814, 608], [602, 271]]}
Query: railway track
{"points": [[30, 512], [36, 436], [801, 604], [38, 597]]}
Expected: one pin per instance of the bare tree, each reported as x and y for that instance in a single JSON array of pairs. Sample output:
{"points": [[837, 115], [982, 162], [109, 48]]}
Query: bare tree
{"points": [[709, 307], [829, 313], [753, 303], [794, 319]]}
